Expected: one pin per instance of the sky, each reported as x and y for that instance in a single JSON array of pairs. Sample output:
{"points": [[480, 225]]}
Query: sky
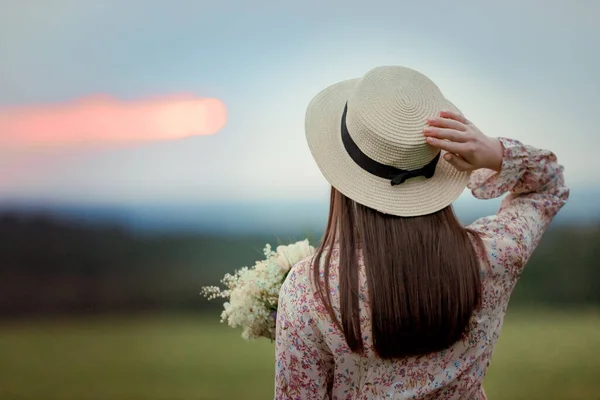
{"points": [[137, 102]]}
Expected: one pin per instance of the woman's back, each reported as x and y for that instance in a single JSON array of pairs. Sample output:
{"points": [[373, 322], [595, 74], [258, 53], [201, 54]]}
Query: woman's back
{"points": [[314, 358]]}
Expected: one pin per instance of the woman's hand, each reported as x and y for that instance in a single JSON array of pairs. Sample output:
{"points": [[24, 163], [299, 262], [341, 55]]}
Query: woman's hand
{"points": [[468, 148]]}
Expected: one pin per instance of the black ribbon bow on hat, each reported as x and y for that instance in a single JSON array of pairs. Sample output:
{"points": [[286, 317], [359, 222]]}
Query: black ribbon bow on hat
{"points": [[397, 176], [427, 171]]}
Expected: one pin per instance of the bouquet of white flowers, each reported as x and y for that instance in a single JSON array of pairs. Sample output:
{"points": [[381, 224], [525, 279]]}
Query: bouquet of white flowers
{"points": [[252, 293]]}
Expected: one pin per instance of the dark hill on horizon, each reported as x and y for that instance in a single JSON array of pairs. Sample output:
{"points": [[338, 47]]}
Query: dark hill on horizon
{"points": [[52, 266]]}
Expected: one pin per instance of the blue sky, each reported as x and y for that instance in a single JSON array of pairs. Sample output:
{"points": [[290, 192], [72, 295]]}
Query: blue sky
{"points": [[524, 70]]}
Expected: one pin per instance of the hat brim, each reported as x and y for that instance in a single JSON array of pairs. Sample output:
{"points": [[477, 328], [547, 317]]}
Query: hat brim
{"points": [[416, 196]]}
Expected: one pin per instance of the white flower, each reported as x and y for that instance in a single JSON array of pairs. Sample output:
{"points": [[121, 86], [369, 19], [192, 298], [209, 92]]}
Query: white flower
{"points": [[253, 293], [290, 255]]}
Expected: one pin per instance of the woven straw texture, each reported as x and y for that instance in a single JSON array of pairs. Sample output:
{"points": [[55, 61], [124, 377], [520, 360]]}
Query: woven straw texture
{"points": [[388, 109]]}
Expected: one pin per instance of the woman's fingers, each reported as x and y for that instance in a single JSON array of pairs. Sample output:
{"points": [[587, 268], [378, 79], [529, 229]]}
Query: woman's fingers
{"points": [[443, 133], [454, 133], [447, 123], [449, 146], [458, 162], [454, 116]]}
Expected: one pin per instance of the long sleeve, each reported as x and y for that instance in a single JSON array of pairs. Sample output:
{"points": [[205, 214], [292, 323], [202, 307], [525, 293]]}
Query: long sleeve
{"points": [[303, 361], [536, 191]]}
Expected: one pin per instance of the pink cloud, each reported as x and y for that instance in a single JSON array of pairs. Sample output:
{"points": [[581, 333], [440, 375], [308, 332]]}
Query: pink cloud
{"points": [[105, 120]]}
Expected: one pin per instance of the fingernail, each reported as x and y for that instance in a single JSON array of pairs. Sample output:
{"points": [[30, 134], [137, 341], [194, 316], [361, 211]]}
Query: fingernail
{"points": [[447, 157], [430, 139]]}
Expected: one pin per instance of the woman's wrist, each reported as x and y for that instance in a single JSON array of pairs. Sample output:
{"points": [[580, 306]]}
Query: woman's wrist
{"points": [[496, 154]]}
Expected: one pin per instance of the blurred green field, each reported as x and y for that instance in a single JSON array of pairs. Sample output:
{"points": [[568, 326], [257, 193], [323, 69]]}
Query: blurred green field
{"points": [[541, 355]]}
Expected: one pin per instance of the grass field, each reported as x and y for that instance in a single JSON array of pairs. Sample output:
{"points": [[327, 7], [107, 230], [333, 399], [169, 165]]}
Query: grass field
{"points": [[540, 356]]}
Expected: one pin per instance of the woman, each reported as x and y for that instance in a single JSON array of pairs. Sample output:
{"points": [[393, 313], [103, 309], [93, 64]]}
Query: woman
{"points": [[401, 301]]}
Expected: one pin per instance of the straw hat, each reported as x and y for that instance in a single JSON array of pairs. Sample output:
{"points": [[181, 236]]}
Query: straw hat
{"points": [[366, 136]]}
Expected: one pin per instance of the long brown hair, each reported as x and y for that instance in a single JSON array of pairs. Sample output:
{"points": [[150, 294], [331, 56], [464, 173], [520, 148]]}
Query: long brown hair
{"points": [[423, 277]]}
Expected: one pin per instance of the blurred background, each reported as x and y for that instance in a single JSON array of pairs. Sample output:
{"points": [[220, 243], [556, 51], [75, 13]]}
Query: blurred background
{"points": [[146, 148]]}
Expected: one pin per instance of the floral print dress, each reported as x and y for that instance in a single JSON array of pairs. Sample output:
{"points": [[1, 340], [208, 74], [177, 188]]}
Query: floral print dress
{"points": [[313, 360]]}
